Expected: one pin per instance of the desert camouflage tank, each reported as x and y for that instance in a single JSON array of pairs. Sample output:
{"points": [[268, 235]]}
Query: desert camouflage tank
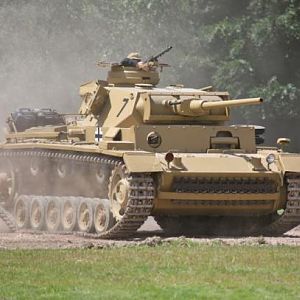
{"points": [[136, 150]]}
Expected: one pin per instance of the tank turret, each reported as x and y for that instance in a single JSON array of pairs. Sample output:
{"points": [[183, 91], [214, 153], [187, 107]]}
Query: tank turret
{"points": [[120, 106]]}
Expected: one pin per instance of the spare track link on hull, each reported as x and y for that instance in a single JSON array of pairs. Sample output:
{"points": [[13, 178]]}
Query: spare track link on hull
{"points": [[141, 190], [291, 216]]}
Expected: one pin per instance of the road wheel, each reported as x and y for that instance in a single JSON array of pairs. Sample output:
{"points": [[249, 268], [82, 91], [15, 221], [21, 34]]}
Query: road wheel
{"points": [[103, 218], [85, 215], [69, 215], [118, 192], [21, 212], [37, 214], [53, 212]]}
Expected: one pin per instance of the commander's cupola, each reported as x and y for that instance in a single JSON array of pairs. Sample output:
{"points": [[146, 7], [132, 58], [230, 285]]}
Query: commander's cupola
{"points": [[129, 76]]}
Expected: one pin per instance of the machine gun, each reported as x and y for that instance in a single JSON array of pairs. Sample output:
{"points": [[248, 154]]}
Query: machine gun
{"points": [[153, 58], [156, 57]]}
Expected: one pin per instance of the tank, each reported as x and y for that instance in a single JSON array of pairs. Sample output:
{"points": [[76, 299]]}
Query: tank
{"points": [[136, 150]]}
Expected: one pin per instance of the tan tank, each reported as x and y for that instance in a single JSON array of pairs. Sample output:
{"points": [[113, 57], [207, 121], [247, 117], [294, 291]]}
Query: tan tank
{"points": [[136, 150]]}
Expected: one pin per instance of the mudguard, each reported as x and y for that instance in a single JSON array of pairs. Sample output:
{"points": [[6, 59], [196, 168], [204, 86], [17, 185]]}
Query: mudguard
{"points": [[142, 162], [290, 162]]}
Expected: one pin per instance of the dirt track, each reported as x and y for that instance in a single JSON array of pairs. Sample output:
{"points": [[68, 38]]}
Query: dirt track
{"points": [[149, 234]]}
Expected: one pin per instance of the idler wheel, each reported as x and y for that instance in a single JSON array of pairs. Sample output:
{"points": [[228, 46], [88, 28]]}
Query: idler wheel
{"points": [[21, 212], [69, 215], [37, 214], [118, 192], [85, 216], [53, 219], [103, 218]]}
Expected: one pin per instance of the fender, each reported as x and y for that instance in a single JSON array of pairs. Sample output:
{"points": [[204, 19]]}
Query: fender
{"points": [[137, 162], [290, 162]]}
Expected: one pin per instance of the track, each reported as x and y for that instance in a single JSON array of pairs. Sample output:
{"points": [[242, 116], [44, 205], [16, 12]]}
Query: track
{"points": [[140, 187]]}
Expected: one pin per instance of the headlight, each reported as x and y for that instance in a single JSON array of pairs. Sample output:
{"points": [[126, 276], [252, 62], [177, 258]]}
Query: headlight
{"points": [[270, 158]]}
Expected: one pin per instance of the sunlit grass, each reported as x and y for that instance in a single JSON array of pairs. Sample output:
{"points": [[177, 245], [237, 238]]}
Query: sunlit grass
{"points": [[176, 271]]}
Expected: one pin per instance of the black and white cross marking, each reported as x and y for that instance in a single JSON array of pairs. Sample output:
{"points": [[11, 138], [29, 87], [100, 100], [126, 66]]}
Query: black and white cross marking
{"points": [[98, 134]]}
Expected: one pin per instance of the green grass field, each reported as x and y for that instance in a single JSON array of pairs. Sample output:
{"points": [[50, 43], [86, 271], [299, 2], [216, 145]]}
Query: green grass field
{"points": [[169, 271]]}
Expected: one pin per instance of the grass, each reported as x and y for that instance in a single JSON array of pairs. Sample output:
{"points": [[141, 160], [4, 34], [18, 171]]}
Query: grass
{"points": [[169, 271]]}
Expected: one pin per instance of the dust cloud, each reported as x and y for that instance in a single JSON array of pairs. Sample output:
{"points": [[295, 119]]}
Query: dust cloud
{"points": [[49, 48], [42, 63]]}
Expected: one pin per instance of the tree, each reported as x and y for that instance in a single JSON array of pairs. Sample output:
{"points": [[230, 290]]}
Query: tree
{"points": [[256, 53]]}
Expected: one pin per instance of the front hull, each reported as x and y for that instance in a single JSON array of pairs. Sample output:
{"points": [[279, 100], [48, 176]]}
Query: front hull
{"points": [[219, 185]]}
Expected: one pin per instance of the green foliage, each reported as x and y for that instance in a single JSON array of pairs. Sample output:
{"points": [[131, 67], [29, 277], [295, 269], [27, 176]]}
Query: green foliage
{"points": [[256, 53], [281, 100], [168, 271]]}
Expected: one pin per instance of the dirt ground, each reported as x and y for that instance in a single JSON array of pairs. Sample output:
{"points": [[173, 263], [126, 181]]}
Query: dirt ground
{"points": [[149, 234]]}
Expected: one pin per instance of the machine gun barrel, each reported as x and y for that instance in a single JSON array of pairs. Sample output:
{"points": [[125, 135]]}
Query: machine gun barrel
{"points": [[156, 57], [196, 105]]}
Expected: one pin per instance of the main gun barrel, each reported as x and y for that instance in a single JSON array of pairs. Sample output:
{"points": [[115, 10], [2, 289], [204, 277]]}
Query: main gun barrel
{"points": [[198, 106]]}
